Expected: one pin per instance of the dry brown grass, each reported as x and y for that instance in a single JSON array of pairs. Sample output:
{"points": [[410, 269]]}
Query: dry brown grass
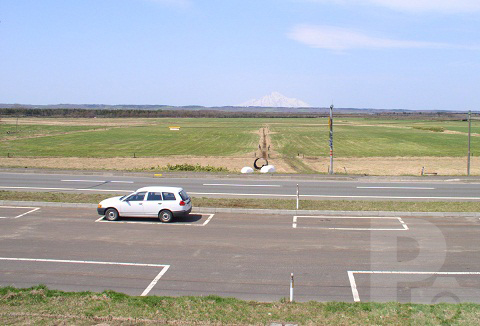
{"points": [[369, 165], [396, 165], [234, 164]]}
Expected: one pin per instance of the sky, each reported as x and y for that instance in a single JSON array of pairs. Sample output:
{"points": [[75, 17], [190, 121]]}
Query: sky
{"points": [[383, 54]]}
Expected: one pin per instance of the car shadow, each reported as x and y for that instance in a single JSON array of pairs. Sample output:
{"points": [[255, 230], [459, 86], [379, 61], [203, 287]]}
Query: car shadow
{"points": [[191, 218]]}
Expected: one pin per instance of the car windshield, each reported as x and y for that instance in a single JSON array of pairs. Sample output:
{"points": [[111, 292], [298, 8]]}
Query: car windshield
{"points": [[126, 196], [136, 196]]}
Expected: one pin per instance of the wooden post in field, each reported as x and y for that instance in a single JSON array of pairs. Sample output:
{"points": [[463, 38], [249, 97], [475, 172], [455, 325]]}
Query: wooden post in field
{"points": [[469, 134], [330, 124]]}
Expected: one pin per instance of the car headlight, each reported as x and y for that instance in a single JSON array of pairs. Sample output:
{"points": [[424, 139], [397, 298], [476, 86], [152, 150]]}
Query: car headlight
{"points": [[99, 205]]}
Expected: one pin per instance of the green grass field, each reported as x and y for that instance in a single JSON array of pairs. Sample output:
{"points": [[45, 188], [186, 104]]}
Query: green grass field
{"points": [[202, 137], [353, 137]]}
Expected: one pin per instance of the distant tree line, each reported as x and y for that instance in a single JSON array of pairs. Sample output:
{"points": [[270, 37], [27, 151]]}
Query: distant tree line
{"points": [[210, 113], [132, 113]]}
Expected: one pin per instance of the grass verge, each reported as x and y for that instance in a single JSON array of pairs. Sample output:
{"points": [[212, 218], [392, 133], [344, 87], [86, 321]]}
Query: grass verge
{"points": [[290, 204], [40, 305]]}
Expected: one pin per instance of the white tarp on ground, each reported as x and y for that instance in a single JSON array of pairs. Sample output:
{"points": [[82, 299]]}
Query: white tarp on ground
{"points": [[267, 169], [247, 169]]}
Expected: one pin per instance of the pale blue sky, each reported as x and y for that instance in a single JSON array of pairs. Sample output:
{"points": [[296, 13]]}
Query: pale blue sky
{"points": [[385, 54]]}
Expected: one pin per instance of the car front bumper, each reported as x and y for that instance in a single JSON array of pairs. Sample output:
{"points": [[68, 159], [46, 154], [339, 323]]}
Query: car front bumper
{"points": [[101, 211]]}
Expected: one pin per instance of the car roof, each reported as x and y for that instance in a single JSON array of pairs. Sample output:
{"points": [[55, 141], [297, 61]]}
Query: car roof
{"points": [[160, 189]]}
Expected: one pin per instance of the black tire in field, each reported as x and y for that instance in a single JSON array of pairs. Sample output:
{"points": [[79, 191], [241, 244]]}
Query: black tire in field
{"points": [[255, 163]]}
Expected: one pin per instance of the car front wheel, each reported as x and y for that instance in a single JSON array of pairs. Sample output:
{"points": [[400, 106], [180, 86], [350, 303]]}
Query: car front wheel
{"points": [[111, 214], [165, 216]]}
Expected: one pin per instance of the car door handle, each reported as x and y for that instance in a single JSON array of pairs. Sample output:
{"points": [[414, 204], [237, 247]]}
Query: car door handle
{"points": [[159, 203], [140, 204]]}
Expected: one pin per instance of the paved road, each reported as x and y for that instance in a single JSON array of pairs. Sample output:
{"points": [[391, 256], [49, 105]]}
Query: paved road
{"points": [[252, 186], [244, 256]]}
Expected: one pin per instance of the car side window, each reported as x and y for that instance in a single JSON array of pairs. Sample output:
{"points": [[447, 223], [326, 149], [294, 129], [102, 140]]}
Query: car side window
{"points": [[168, 196], [154, 196], [136, 197]]}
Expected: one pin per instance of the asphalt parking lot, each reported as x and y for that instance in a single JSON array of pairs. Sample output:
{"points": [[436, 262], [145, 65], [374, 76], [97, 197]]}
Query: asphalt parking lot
{"points": [[333, 258]]}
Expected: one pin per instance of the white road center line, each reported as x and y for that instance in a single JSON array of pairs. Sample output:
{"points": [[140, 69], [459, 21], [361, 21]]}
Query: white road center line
{"points": [[238, 185], [98, 181], [410, 188]]}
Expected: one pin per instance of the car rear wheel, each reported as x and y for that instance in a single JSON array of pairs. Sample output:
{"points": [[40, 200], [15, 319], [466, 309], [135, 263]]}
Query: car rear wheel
{"points": [[111, 214], [165, 216]]}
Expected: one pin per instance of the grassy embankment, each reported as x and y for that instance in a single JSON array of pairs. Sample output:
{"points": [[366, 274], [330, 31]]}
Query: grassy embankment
{"points": [[339, 205], [42, 306]]}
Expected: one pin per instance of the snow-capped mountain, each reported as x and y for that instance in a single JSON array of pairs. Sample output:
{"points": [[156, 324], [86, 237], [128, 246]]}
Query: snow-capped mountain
{"points": [[275, 99]]}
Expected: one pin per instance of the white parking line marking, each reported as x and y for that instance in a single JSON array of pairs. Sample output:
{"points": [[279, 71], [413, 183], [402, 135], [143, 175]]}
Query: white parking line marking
{"points": [[403, 224], [144, 293], [155, 280], [238, 185], [156, 222], [32, 209], [208, 220], [353, 284], [413, 188]]}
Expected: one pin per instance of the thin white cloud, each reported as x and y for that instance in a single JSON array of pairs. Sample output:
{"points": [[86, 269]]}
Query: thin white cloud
{"points": [[443, 6], [341, 39]]}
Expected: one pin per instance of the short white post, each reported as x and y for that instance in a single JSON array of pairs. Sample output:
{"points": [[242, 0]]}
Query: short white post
{"points": [[298, 196], [291, 287]]}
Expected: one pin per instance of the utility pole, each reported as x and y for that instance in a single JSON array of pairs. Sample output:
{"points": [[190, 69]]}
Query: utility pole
{"points": [[469, 134], [330, 124]]}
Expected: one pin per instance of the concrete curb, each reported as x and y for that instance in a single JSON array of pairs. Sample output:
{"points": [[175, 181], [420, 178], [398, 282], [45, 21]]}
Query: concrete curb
{"points": [[211, 210]]}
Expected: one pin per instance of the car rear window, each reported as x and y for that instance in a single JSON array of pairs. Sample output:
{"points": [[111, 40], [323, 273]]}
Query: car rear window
{"points": [[168, 196], [154, 196], [184, 195]]}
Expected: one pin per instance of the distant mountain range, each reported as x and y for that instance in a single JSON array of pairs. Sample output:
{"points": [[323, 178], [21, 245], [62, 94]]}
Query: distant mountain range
{"points": [[276, 100]]}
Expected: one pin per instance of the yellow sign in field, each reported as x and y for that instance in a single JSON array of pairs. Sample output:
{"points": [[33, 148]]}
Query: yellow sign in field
{"points": [[174, 128]]}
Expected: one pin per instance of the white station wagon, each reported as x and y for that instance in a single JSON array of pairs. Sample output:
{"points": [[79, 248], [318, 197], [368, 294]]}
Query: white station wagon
{"points": [[161, 202]]}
